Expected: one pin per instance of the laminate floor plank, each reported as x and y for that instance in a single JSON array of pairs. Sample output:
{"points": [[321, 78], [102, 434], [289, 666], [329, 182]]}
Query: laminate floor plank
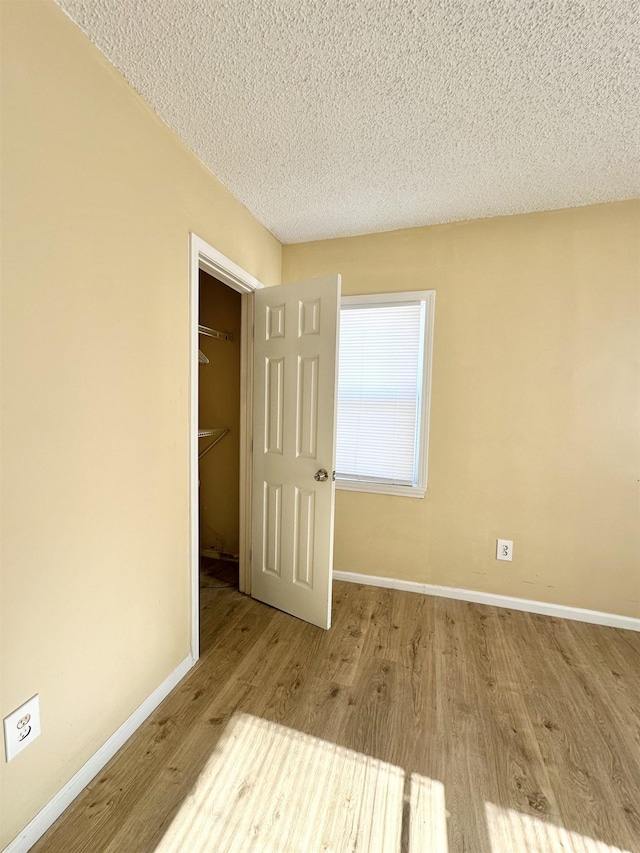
{"points": [[368, 719], [416, 679], [352, 619], [518, 776], [458, 760], [616, 671], [218, 608], [278, 699], [569, 730], [598, 683], [415, 725], [324, 669], [615, 744]]}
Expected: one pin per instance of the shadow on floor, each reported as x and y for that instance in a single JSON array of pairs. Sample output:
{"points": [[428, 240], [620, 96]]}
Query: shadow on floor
{"points": [[217, 574]]}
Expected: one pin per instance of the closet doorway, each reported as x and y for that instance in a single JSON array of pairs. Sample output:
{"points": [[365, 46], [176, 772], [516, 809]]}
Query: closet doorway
{"points": [[219, 337], [209, 425], [291, 368]]}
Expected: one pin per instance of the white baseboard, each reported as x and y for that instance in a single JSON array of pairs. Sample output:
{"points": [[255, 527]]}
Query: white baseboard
{"points": [[54, 808], [578, 614]]}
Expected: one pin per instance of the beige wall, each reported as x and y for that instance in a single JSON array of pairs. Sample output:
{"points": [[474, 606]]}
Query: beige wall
{"points": [[219, 406], [98, 201], [534, 417]]}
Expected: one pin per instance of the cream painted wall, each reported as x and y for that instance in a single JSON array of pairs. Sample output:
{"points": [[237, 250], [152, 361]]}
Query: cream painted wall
{"points": [[535, 423], [219, 406], [98, 199]]}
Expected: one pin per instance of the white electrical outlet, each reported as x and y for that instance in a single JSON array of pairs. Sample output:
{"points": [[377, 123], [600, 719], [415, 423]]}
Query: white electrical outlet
{"points": [[21, 727], [504, 549]]}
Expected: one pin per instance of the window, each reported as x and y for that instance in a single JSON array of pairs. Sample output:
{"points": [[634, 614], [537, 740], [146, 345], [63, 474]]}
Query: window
{"points": [[384, 379]]}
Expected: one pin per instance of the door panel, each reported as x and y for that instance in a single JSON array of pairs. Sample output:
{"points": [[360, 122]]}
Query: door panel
{"points": [[303, 535], [272, 530], [274, 405], [307, 421], [295, 370]]}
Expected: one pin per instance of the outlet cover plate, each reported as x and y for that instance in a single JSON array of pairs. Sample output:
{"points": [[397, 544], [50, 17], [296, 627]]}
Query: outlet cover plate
{"points": [[504, 549], [21, 727]]}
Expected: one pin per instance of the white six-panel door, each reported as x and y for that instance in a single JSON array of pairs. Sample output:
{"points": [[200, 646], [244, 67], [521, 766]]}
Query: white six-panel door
{"points": [[295, 376]]}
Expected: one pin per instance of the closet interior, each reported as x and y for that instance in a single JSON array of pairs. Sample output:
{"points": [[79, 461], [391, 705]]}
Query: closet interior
{"points": [[219, 325]]}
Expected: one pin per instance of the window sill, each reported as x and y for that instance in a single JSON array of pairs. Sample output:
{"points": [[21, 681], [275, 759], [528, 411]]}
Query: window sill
{"points": [[381, 488]]}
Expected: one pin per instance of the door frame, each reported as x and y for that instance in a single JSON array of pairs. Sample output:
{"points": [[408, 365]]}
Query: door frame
{"points": [[203, 256]]}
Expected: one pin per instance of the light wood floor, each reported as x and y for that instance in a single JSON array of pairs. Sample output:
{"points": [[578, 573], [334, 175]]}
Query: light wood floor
{"points": [[505, 732]]}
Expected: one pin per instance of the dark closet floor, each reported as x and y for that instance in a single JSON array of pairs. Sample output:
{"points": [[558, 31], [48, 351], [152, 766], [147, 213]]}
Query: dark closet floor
{"points": [[218, 573]]}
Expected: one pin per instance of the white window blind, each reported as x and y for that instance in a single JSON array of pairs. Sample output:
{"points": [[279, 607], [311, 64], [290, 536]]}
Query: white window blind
{"points": [[379, 392]]}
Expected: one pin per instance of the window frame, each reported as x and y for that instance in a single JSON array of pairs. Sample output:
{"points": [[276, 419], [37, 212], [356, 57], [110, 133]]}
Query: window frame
{"points": [[427, 297]]}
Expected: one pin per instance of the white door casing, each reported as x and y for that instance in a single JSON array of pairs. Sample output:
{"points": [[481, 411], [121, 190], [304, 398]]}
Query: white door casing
{"points": [[295, 378]]}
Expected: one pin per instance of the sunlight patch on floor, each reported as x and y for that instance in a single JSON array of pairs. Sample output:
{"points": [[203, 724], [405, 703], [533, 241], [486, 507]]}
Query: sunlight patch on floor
{"points": [[511, 830], [427, 816], [272, 789]]}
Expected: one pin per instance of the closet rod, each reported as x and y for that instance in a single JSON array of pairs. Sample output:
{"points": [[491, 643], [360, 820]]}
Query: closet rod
{"points": [[212, 333]]}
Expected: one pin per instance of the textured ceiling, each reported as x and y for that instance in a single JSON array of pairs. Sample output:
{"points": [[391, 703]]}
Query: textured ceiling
{"points": [[335, 117]]}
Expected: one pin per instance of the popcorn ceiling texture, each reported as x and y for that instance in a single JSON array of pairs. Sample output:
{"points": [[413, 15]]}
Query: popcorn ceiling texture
{"points": [[336, 118]]}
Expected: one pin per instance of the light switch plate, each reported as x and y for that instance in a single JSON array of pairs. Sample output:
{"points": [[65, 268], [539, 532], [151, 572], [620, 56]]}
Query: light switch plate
{"points": [[21, 727]]}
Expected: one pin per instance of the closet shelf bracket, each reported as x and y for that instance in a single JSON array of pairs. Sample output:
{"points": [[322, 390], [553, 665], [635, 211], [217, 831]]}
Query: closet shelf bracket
{"points": [[219, 434]]}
